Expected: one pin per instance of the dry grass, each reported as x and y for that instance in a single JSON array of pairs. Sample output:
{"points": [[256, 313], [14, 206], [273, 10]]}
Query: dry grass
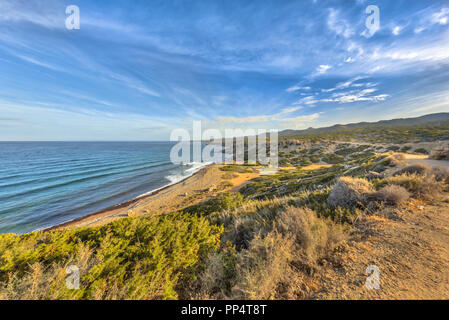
{"points": [[48, 282], [418, 168], [390, 195], [440, 154], [421, 187], [349, 192], [284, 246], [441, 174]]}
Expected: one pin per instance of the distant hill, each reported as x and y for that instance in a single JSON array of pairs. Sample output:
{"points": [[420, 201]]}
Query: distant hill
{"points": [[429, 119]]}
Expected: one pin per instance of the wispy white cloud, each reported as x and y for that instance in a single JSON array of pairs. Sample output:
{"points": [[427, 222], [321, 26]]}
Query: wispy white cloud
{"points": [[356, 95], [322, 68], [297, 88], [338, 25]]}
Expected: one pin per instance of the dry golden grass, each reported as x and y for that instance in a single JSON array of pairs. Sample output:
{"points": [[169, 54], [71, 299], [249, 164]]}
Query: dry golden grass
{"points": [[282, 246], [349, 192]]}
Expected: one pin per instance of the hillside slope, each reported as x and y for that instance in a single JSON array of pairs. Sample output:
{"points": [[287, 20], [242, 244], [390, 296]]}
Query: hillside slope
{"points": [[429, 119]]}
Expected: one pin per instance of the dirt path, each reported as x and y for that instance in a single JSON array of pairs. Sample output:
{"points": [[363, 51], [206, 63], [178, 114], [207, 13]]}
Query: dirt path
{"points": [[411, 252], [432, 163]]}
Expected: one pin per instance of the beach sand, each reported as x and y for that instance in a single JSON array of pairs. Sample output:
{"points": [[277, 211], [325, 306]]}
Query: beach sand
{"points": [[202, 185]]}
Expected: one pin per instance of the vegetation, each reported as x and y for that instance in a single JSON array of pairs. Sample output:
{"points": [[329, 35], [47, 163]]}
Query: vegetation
{"points": [[237, 168], [378, 133], [266, 241], [127, 259]]}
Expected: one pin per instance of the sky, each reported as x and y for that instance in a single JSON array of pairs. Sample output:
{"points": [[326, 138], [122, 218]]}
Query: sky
{"points": [[136, 70]]}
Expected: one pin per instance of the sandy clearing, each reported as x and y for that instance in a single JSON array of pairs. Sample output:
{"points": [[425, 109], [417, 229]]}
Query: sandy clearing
{"points": [[316, 166]]}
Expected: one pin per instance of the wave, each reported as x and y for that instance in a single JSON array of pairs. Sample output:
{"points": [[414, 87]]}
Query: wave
{"points": [[79, 180], [178, 177]]}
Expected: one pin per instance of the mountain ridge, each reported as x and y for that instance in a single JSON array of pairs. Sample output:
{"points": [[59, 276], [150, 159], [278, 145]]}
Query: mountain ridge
{"points": [[432, 118]]}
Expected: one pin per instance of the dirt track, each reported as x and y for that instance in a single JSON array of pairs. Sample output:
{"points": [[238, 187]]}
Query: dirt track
{"points": [[410, 249]]}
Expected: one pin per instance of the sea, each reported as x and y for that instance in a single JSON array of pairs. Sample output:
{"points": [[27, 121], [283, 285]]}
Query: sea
{"points": [[43, 184]]}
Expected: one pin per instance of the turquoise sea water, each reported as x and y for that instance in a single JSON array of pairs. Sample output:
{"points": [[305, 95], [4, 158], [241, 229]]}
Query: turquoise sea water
{"points": [[46, 183]]}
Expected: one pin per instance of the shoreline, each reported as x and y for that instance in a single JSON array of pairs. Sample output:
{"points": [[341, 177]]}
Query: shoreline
{"points": [[118, 206], [197, 187]]}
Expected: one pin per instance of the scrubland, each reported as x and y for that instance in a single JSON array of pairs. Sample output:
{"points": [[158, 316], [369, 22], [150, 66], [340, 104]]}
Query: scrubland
{"points": [[298, 234]]}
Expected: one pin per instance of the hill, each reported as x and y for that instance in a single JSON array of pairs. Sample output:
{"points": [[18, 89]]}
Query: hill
{"points": [[435, 119]]}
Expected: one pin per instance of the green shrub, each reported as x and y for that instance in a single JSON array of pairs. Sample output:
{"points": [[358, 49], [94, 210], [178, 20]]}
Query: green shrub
{"points": [[418, 168], [333, 158], [393, 148], [131, 258], [222, 201], [421, 150], [237, 168], [405, 148]]}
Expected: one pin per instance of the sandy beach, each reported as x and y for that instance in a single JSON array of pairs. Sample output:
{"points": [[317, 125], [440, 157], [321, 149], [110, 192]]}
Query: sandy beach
{"points": [[203, 184]]}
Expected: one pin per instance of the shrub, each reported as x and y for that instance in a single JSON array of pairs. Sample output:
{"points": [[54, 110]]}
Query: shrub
{"points": [[332, 158], [373, 175], [379, 168], [223, 201], [418, 168], [392, 161], [314, 237], [349, 192], [237, 168], [263, 267], [229, 175], [393, 148], [441, 174], [440, 154], [405, 148], [422, 187], [272, 267], [130, 258], [421, 150], [391, 195]]}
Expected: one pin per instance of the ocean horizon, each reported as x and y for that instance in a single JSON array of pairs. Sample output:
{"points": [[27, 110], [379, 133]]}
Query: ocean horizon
{"points": [[46, 183]]}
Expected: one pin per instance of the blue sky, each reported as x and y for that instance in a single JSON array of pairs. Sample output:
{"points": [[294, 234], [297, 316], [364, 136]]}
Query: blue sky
{"points": [[135, 70]]}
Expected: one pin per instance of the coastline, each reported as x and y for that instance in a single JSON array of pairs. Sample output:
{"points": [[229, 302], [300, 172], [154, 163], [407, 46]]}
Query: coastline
{"points": [[195, 188]]}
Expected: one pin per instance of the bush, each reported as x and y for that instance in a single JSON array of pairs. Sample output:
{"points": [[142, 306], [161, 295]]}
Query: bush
{"points": [[237, 168], [371, 175], [441, 174], [422, 187], [391, 195], [314, 237], [314, 159], [379, 168], [418, 168], [349, 192], [229, 175], [440, 154], [221, 202], [421, 150], [272, 266], [392, 160], [332, 158], [130, 258], [393, 148]]}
